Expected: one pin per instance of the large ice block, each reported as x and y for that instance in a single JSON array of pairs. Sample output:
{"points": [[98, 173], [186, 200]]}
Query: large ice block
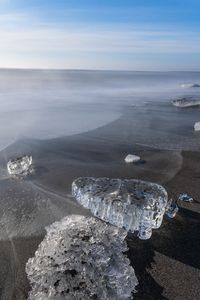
{"points": [[20, 166], [131, 204], [81, 258], [186, 102]]}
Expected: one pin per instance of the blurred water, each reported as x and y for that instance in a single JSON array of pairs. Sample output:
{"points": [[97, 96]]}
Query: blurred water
{"points": [[48, 104]]}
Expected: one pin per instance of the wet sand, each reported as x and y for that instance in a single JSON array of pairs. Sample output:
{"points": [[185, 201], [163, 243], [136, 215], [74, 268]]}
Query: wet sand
{"points": [[167, 265]]}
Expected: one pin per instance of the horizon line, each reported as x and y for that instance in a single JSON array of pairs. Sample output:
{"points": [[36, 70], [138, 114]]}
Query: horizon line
{"points": [[92, 70]]}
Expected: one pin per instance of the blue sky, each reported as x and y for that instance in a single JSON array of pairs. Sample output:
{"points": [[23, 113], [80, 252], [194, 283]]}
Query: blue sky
{"points": [[91, 34]]}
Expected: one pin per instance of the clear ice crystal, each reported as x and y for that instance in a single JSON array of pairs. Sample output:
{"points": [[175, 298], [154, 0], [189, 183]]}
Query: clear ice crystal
{"points": [[185, 197], [171, 209], [131, 204], [186, 102], [81, 258], [20, 166]]}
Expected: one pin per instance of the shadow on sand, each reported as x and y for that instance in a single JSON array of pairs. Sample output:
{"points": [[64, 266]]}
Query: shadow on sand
{"points": [[178, 239]]}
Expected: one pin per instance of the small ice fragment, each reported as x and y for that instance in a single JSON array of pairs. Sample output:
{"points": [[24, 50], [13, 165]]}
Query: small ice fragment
{"points": [[197, 126], [186, 102], [20, 165], [185, 198], [130, 158], [134, 205], [81, 258], [171, 209]]}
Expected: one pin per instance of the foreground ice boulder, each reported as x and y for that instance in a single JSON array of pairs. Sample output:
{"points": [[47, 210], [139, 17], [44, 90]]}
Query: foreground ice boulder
{"points": [[81, 258], [134, 205], [197, 126], [186, 102], [20, 166]]}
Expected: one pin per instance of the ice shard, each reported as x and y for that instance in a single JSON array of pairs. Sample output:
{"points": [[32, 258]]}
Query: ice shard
{"points": [[171, 209], [81, 258], [131, 204], [20, 166]]}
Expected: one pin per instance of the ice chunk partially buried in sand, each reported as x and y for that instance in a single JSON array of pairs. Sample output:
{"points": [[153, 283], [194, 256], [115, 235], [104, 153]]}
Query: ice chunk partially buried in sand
{"points": [[131, 158], [131, 204], [20, 166], [81, 258]]}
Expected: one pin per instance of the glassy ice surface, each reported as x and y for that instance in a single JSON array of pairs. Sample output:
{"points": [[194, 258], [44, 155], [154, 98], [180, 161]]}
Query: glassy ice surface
{"points": [[132, 204], [186, 102], [20, 166], [81, 258]]}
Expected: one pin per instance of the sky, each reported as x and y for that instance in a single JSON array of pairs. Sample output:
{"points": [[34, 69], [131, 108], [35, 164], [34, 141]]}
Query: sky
{"points": [[136, 35]]}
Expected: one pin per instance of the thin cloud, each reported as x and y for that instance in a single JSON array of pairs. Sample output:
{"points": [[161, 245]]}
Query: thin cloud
{"points": [[24, 37], [116, 41]]}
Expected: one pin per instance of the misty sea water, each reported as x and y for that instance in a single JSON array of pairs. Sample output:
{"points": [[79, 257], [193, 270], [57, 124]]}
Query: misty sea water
{"points": [[45, 104]]}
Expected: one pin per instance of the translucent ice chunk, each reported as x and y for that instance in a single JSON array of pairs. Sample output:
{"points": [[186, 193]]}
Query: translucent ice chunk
{"points": [[186, 102], [134, 205], [20, 165], [185, 198], [171, 209], [130, 158], [197, 126], [81, 258]]}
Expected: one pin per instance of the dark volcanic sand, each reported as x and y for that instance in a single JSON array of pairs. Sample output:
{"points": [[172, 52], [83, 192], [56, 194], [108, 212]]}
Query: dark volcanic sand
{"points": [[167, 265]]}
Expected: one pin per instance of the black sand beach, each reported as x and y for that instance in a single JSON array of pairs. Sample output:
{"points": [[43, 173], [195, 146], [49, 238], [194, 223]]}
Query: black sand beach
{"points": [[167, 265]]}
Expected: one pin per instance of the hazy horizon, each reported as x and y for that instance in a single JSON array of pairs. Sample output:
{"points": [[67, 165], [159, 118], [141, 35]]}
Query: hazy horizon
{"points": [[98, 70]]}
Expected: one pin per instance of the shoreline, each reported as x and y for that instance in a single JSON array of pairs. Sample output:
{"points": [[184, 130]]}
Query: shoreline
{"points": [[43, 198]]}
